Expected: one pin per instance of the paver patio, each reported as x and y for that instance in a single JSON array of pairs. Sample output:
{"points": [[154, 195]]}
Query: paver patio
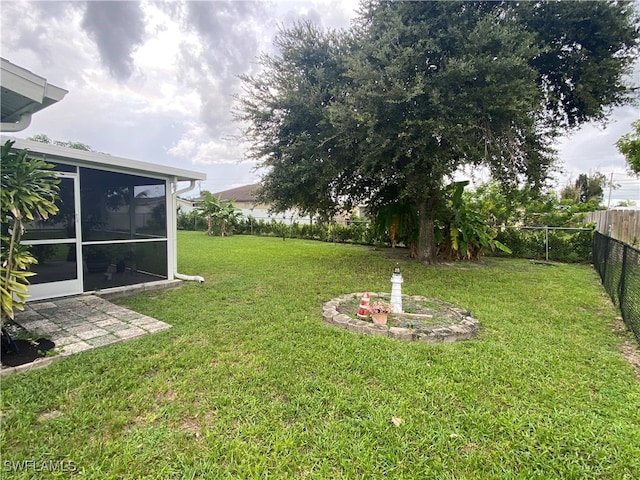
{"points": [[81, 323]]}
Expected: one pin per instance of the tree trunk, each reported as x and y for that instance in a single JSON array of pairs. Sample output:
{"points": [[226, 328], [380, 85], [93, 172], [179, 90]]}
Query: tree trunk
{"points": [[426, 239]]}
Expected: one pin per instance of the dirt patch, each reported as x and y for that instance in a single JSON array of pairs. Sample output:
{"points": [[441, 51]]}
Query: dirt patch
{"points": [[191, 426], [630, 350], [45, 416]]}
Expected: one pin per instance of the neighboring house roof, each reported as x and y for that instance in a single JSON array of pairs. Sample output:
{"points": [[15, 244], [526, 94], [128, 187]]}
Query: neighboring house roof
{"points": [[24, 93], [102, 161], [246, 193]]}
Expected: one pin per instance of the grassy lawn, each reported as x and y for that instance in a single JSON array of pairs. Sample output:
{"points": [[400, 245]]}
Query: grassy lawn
{"points": [[249, 382]]}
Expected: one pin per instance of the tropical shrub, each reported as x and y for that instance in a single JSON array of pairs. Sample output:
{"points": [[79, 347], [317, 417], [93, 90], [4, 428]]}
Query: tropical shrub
{"points": [[219, 214], [28, 192], [463, 232], [194, 220], [396, 224]]}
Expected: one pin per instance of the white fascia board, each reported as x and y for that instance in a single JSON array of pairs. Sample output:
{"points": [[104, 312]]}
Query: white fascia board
{"points": [[102, 161], [23, 82], [31, 86], [53, 94]]}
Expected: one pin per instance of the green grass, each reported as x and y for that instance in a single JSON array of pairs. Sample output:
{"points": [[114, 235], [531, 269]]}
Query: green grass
{"points": [[250, 383]]}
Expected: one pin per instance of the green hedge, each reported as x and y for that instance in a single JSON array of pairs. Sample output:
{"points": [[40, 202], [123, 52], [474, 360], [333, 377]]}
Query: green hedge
{"points": [[564, 245], [356, 232]]}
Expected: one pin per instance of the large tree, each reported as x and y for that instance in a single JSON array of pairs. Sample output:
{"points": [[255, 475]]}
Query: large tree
{"points": [[440, 85], [389, 111], [284, 108]]}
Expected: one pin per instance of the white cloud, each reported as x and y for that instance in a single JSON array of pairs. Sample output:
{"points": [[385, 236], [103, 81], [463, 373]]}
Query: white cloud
{"points": [[184, 148], [217, 152], [593, 146]]}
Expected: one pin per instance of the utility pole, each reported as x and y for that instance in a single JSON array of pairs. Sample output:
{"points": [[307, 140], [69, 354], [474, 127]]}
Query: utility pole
{"points": [[610, 190]]}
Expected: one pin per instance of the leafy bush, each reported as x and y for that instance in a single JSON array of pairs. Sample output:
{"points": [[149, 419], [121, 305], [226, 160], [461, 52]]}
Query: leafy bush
{"points": [[564, 245], [193, 220]]}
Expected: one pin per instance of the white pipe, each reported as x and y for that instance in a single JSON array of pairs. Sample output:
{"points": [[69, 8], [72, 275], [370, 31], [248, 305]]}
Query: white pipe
{"points": [[191, 186], [180, 276], [191, 278]]}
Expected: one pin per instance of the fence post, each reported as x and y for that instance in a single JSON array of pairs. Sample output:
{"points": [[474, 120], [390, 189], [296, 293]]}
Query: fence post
{"points": [[546, 241], [621, 285], [600, 253]]}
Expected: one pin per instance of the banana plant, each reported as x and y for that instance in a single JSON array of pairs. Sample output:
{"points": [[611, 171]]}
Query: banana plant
{"points": [[398, 222], [225, 215], [462, 231], [218, 212]]}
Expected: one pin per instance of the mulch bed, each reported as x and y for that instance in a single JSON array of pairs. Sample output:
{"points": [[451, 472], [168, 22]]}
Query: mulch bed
{"points": [[27, 352]]}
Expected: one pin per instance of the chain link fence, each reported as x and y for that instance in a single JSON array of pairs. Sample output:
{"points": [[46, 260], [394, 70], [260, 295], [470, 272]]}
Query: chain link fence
{"points": [[618, 265], [559, 244]]}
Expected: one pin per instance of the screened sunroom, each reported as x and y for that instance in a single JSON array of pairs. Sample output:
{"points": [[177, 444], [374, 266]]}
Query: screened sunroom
{"points": [[116, 224]]}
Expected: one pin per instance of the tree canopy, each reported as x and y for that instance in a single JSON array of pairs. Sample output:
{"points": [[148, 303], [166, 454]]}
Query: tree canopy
{"points": [[629, 146], [42, 138], [387, 112]]}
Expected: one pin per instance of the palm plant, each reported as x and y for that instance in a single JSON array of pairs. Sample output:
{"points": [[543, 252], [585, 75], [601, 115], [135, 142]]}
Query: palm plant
{"points": [[209, 207]]}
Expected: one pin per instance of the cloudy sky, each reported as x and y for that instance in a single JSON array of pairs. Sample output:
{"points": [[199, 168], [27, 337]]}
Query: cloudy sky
{"points": [[153, 81]]}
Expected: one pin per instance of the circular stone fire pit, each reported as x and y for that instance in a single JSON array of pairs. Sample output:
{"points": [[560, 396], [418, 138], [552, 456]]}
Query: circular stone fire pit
{"points": [[423, 319]]}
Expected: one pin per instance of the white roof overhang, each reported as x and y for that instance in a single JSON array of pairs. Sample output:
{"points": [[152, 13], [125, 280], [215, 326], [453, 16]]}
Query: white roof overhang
{"points": [[22, 94], [102, 161]]}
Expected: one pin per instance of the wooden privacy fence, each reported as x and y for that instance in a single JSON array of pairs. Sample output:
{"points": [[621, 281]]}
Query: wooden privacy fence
{"points": [[623, 225]]}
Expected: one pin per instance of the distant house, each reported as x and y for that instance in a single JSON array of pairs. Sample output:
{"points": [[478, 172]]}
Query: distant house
{"points": [[116, 224], [185, 205], [244, 200]]}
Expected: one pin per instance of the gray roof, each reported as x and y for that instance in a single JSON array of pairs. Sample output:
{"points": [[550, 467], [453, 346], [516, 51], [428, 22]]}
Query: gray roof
{"points": [[246, 193]]}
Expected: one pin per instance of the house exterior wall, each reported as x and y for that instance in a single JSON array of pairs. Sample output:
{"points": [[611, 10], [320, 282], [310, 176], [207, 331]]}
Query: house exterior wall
{"points": [[261, 212], [185, 205]]}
